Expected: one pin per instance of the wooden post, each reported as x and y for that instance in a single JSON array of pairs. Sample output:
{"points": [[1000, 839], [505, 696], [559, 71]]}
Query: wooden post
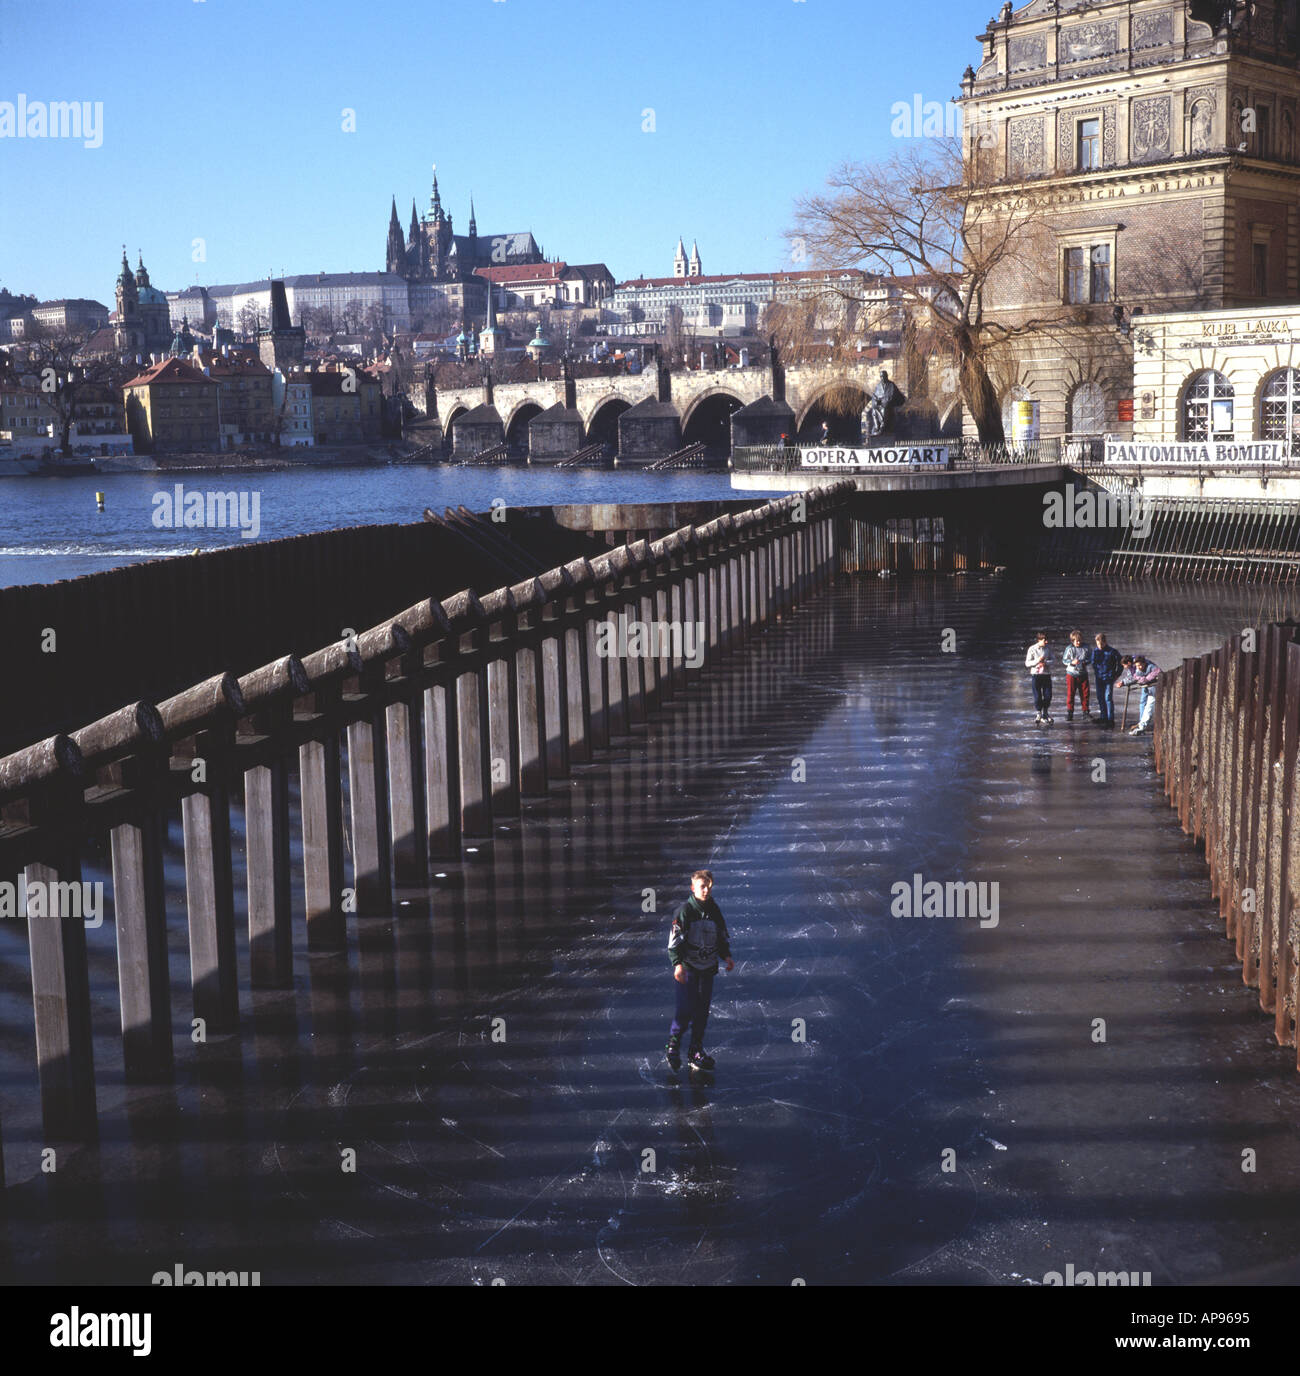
{"points": [[554, 584], [577, 683], [469, 624], [47, 777], [200, 725], [320, 787], [408, 723], [372, 860], [500, 607], [128, 748]]}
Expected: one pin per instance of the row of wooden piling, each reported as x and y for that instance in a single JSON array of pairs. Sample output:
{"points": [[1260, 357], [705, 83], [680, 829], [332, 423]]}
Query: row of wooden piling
{"points": [[453, 711], [1227, 726]]}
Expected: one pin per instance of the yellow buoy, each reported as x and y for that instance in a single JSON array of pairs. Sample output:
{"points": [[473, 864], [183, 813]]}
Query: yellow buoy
{"points": [[99, 501]]}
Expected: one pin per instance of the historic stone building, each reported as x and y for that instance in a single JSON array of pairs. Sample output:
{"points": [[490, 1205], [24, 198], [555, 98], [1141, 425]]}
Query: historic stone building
{"points": [[1157, 138], [441, 266], [173, 406], [142, 324]]}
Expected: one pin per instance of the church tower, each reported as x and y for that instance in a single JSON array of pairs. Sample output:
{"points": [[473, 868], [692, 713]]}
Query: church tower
{"points": [[395, 260], [679, 259], [696, 269], [128, 337]]}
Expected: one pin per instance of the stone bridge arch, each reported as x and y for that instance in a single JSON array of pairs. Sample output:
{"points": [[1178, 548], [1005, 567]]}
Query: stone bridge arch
{"points": [[707, 418], [600, 424], [839, 402], [516, 424]]}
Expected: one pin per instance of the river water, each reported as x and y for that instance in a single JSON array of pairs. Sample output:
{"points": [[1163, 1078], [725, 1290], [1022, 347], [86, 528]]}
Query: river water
{"points": [[50, 528]]}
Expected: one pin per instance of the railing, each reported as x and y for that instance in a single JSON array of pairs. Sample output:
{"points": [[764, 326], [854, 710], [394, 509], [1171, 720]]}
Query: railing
{"points": [[690, 456], [1221, 540], [451, 712], [1227, 726], [498, 453], [588, 456], [962, 453]]}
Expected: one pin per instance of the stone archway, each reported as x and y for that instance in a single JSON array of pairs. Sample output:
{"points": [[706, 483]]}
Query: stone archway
{"points": [[839, 405], [709, 421], [603, 426], [517, 426]]}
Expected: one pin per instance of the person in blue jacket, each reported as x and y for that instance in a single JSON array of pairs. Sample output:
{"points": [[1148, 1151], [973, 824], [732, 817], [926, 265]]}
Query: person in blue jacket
{"points": [[1105, 669]]}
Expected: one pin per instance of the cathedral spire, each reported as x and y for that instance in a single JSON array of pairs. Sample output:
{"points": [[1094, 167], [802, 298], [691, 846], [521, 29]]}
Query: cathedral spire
{"points": [[415, 224], [435, 200], [396, 255], [473, 226]]}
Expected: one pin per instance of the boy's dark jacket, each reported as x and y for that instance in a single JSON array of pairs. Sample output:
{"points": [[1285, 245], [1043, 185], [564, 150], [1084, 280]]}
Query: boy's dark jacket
{"points": [[1105, 663], [699, 936]]}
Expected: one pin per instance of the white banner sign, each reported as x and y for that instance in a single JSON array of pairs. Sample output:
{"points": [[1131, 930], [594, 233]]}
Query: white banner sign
{"points": [[900, 456], [1195, 453]]}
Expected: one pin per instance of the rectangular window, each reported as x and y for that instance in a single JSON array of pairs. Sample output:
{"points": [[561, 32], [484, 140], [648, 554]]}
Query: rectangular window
{"points": [[1076, 280], [1089, 144], [1100, 283], [1259, 266]]}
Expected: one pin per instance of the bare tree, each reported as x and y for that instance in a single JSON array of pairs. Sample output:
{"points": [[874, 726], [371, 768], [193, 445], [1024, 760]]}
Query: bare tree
{"points": [[67, 374], [937, 222], [353, 314], [251, 319], [374, 323]]}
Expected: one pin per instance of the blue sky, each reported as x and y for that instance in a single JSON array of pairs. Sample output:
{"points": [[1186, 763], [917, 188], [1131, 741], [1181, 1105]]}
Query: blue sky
{"points": [[223, 121]]}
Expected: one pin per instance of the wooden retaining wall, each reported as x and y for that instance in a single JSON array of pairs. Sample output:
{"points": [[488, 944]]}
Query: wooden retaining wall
{"points": [[428, 701], [1227, 724]]}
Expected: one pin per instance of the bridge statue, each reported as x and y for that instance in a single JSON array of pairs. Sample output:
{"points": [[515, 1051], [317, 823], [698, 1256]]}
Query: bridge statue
{"points": [[882, 409]]}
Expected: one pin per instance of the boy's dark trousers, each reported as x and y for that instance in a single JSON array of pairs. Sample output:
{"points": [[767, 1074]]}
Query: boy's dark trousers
{"points": [[1075, 682], [1042, 685], [693, 999], [1106, 699]]}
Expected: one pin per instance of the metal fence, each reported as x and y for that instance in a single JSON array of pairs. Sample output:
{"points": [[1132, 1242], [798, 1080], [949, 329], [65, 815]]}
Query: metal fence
{"points": [[775, 458]]}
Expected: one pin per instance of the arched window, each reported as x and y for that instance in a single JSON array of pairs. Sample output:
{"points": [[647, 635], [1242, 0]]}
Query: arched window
{"points": [[1207, 408], [1088, 410], [1280, 408]]}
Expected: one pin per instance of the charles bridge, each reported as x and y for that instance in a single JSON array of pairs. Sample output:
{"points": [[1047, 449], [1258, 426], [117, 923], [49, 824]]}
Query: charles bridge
{"points": [[648, 415]]}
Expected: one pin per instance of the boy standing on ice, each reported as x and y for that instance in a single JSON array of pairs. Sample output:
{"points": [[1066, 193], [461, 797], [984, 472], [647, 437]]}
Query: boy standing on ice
{"points": [[699, 937], [1040, 678]]}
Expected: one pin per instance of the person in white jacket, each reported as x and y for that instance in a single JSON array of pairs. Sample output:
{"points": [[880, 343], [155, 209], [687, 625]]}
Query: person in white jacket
{"points": [[1040, 678]]}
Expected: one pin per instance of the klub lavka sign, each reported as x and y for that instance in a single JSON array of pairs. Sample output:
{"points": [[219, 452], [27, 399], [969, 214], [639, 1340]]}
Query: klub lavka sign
{"points": [[1197, 454], [901, 456]]}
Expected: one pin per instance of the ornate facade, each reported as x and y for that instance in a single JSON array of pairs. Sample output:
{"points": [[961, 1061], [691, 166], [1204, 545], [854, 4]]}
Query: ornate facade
{"points": [[433, 252], [142, 325], [1157, 140]]}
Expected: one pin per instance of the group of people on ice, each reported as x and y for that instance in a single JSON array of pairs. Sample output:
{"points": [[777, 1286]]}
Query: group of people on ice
{"points": [[1109, 669]]}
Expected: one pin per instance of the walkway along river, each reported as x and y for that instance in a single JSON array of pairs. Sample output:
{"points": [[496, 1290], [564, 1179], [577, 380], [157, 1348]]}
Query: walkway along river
{"points": [[491, 1051]]}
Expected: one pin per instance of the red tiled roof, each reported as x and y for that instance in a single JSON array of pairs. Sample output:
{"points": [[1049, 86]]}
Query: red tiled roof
{"points": [[170, 370], [522, 272]]}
